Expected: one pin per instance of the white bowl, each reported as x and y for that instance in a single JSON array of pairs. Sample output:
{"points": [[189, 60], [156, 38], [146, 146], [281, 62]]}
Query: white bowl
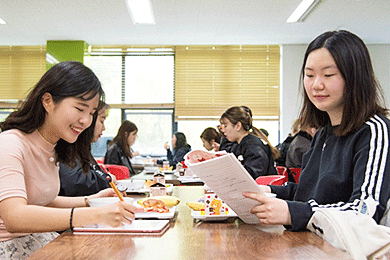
{"points": [[132, 184], [151, 168], [100, 202]]}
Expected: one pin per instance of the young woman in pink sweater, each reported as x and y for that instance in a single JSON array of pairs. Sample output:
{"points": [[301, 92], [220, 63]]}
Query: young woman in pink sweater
{"points": [[48, 129]]}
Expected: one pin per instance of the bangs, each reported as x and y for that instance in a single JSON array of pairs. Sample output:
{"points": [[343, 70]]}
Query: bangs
{"points": [[89, 94]]}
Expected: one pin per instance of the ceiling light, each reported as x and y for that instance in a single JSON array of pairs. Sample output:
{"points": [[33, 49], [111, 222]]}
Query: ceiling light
{"points": [[302, 11], [2, 21], [141, 11]]}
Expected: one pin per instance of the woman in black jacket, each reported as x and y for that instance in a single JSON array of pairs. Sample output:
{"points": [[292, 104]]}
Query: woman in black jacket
{"points": [[254, 154], [180, 148], [119, 153]]}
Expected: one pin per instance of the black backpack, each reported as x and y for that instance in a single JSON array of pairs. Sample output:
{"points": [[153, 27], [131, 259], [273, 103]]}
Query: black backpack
{"points": [[283, 148]]}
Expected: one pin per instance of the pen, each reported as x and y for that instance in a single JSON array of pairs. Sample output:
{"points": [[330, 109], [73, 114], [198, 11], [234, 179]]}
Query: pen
{"points": [[115, 189]]}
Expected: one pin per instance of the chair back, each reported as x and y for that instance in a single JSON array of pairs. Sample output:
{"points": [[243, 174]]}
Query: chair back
{"points": [[281, 169], [296, 172], [277, 180], [119, 171]]}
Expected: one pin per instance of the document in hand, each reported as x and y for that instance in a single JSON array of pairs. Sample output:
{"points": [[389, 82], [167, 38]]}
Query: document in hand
{"points": [[226, 176]]}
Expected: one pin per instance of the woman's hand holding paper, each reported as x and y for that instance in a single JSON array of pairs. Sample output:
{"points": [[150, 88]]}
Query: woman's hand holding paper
{"points": [[271, 211]]}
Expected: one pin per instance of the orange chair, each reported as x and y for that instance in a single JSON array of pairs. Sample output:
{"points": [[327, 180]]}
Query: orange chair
{"points": [[281, 169], [119, 171], [277, 180], [296, 172]]}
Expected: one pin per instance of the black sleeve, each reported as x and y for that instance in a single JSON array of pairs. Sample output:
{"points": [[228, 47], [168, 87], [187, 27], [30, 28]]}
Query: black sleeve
{"points": [[255, 161], [285, 192], [112, 156], [170, 157], [74, 182], [178, 157]]}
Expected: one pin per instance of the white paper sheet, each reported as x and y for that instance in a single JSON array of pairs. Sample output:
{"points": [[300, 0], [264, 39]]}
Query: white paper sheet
{"points": [[226, 176]]}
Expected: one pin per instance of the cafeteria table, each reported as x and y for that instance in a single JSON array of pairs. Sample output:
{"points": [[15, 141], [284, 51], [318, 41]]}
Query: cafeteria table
{"points": [[169, 179], [188, 238]]}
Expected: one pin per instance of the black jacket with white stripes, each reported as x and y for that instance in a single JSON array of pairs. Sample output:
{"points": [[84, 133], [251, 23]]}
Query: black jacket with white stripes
{"points": [[342, 172]]}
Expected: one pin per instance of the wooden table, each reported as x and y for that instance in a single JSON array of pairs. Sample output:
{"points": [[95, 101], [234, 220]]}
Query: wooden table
{"points": [[191, 239]]}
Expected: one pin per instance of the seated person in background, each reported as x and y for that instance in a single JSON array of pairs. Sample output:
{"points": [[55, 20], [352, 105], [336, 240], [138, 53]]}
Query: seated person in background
{"points": [[347, 166], [210, 136], [254, 155], [119, 153], [283, 147], [180, 148], [299, 145], [224, 145], [74, 182]]}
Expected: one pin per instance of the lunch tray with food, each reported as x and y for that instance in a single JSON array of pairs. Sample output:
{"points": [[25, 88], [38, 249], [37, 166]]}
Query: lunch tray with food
{"points": [[159, 207], [198, 206]]}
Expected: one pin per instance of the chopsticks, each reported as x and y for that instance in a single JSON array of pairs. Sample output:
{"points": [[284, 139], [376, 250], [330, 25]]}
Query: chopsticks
{"points": [[115, 188]]}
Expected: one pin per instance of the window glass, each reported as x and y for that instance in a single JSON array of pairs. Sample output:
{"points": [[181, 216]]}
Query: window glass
{"points": [[4, 113], [109, 71], [149, 79], [154, 129]]}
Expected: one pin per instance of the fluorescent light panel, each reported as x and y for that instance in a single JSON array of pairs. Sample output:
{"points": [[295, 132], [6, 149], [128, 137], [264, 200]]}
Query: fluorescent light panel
{"points": [[2, 21], [141, 11], [302, 11]]}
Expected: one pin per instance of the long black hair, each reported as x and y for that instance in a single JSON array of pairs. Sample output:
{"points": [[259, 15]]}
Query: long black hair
{"points": [[121, 138], [362, 96], [181, 141], [63, 80]]}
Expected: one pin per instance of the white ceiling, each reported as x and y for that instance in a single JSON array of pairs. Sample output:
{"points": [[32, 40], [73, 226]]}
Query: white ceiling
{"points": [[181, 22]]}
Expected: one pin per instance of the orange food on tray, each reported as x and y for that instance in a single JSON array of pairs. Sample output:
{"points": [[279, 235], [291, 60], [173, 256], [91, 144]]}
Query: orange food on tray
{"points": [[153, 205]]}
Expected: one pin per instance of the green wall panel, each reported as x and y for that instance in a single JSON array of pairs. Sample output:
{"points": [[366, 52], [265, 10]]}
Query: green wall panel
{"points": [[64, 51]]}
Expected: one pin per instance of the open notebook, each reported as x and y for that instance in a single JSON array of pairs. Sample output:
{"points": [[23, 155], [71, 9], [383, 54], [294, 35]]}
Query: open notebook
{"points": [[226, 176], [137, 227]]}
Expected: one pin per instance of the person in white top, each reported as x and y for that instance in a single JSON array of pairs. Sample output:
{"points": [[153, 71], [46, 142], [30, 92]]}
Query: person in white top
{"points": [[48, 129]]}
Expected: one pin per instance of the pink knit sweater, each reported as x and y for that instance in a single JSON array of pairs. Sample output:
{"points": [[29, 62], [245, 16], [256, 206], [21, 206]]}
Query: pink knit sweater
{"points": [[27, 170]]}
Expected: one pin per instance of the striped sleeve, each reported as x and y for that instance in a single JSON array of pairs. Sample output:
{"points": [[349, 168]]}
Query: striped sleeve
{"points": [[374, 169]]}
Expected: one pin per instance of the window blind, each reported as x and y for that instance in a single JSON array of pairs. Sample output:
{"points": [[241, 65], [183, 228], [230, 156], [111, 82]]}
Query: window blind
{"points": [[210, 79], [21, 67]]}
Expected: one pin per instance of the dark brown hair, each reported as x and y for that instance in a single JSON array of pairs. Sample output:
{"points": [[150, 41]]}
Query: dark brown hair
{"points": [[243, 115], [210, 133], [181, 141], [362, 96], [63, 80], [122, 136]]}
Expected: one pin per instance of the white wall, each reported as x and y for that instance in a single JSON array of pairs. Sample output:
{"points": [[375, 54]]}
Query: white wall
{"points": [[290, 64], [380, 57], [291, 57]]}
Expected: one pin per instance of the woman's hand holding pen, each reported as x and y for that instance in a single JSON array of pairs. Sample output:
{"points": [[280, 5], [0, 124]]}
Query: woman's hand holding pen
{"points": [[117, 214], [270, 211]]}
